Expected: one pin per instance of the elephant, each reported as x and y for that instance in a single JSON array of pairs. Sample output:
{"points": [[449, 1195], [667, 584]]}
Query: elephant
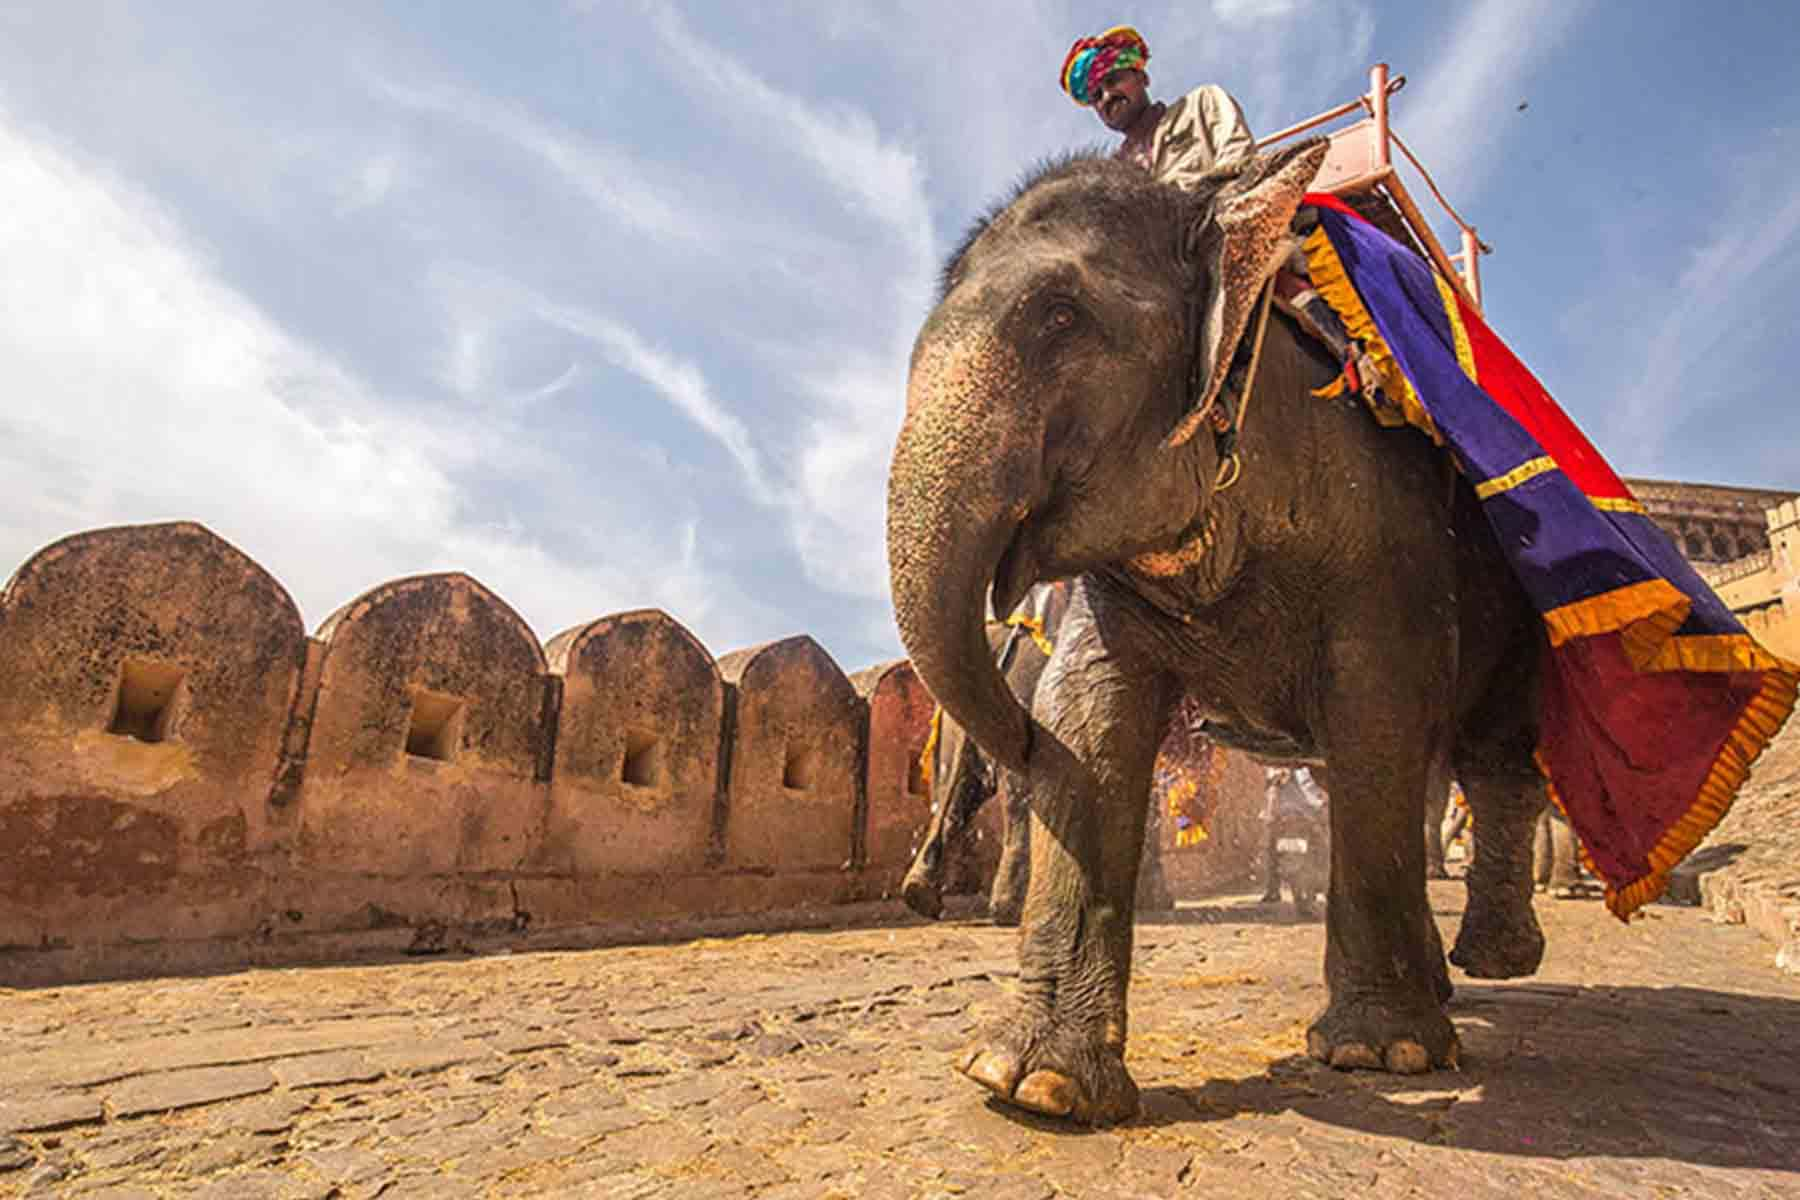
{"points": [[1327, 589], [963, 780]]}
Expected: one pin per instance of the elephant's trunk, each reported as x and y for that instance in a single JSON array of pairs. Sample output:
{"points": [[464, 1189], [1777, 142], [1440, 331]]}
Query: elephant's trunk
{"points": [[966, 470]]}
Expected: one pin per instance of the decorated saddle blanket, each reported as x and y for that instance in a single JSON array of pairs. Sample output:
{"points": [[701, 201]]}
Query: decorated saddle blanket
{"points": [[1654, 700]]}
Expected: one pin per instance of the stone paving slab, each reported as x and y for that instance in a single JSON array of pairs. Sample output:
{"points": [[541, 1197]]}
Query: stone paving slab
{"points": [[1748, 870], [164, 1091], [1646, 1059], [104, 1061]]}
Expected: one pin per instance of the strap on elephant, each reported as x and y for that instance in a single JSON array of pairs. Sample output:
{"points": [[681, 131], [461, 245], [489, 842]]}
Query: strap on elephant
{"points": [[1226, 414], [1035, 628]]}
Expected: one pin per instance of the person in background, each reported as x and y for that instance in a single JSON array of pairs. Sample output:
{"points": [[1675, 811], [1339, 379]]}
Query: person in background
{"points": [[1291, 796]]}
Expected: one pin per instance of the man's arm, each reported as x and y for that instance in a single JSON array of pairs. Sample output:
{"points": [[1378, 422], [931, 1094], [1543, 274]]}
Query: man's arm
{"points": [[1226, 128], [1202, 134]]}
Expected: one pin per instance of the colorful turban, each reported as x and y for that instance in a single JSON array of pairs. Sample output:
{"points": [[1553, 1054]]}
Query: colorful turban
{"points": [[1092, 59]]}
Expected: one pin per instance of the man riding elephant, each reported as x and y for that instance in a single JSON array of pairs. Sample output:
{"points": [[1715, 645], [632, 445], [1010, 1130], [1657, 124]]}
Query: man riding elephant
{"points": [[1181, 143], [1202, 136]]}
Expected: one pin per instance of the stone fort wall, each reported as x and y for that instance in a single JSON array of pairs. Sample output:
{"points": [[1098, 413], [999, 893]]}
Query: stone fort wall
{"points": [[188, 780]]}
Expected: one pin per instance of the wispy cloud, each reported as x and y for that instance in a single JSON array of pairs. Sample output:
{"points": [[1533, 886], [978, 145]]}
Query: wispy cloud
{"points": [[679, 382], [882, 180], [617, 182], [1739, 267], [837, 509], [1447, 114], [142, 387]]}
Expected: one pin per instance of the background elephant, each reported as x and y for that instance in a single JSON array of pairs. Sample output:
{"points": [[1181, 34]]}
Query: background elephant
{"points": [[963, 780], [1345, 600]]}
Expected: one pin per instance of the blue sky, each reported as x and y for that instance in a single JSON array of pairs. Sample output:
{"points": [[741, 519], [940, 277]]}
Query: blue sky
{"points": [[609, 304]]}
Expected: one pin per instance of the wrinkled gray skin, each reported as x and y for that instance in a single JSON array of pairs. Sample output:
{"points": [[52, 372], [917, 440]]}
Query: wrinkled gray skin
{"points": [[1351, 609], [963, 780]]}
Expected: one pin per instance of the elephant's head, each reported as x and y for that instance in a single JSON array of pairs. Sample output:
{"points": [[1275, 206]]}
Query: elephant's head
{"points": [[1048, 417]]}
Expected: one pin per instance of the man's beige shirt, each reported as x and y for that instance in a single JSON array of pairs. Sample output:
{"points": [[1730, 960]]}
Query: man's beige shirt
{"points": [[1199, 134]]}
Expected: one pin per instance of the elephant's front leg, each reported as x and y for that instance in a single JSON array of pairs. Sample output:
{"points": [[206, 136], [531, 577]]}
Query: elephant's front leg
{"points": [[1061, 1050], [1384, 962]]}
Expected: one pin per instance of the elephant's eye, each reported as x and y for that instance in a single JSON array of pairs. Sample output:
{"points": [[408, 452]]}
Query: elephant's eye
{"points": [[1060, 316]]}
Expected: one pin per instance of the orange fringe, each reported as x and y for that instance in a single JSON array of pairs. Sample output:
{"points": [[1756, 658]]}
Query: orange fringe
{"points": [[1645, 615], [1762, 719]]}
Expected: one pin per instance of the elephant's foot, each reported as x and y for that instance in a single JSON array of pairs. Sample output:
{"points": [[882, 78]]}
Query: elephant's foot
{"points": [[922, 895], [1006, 901], [1441, 987], [1437, 870], [1034, 1065], [1498, 942], [1005, 913], [1376, 1035]]}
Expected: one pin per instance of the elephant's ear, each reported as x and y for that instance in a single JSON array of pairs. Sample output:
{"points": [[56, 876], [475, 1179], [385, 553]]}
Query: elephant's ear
{"points": [[1234, 246]]}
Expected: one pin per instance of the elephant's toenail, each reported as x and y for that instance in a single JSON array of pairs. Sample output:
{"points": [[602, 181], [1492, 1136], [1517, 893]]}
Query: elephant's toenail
{"points": [[991, 1071], [1408, 1058], [1318, 1047], [1048, 1092], [1354, 1056]]}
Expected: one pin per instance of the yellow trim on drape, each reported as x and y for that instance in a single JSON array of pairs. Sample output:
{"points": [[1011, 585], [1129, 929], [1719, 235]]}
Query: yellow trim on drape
{"points": [[1529, 469], [1618, 504], [1465, 355], [1333, 284], [1647, 613]]}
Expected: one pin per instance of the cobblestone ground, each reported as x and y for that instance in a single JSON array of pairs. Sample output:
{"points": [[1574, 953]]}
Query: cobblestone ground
{"points": [[1749, 869], [1655, 1059]]}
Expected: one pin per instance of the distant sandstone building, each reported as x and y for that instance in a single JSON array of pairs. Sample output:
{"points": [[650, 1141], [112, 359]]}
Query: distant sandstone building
{"points": [[1710, 524], [1743, 543]]}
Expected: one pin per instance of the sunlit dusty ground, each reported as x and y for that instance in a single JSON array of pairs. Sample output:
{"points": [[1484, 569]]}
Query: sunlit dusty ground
{"points": [[1650, 1059]]}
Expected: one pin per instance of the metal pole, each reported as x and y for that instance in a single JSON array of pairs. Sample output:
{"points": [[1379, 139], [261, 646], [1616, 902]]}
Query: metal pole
{"points": [[1378, 104], [1471, 264], [1311, 123]]}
